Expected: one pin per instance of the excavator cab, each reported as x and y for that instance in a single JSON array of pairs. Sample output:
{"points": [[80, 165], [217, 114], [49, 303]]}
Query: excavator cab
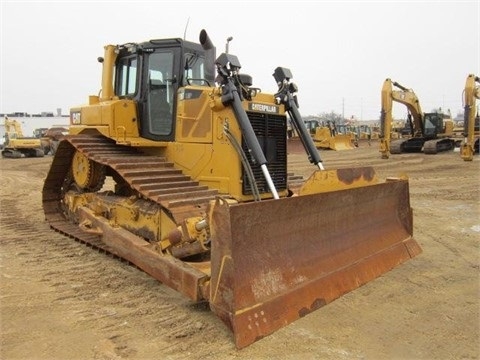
{"points": [[433, 125], [200, 196]]}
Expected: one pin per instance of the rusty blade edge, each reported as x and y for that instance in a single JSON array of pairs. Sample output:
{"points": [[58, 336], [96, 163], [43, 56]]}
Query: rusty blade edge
{"points": [[253, 323]]}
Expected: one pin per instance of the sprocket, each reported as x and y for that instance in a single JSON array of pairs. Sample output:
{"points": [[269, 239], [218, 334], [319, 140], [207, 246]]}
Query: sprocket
{"points": [[88, 174]]}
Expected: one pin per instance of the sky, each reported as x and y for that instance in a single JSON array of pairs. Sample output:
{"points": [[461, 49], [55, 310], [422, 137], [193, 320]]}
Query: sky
{"points": [[339, 52]]}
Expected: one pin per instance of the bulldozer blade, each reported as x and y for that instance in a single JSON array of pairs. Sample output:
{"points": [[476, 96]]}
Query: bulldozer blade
{"points": [[275, 261], [342, 142], [325, 140]]}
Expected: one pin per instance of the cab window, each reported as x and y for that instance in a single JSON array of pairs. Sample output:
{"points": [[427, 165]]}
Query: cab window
{"points": [[126, 77], [194, 70]]}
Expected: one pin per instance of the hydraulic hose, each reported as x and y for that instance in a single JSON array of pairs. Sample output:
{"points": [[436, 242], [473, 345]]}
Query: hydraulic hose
{"points": [[231, 97]]}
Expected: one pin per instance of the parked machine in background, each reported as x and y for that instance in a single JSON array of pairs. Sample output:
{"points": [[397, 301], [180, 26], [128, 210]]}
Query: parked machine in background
{"points": [[430, 133], [199, 195], [50, 137], [470, 145], [327, 136], [39, 133], [2, 135], [16, 145]]}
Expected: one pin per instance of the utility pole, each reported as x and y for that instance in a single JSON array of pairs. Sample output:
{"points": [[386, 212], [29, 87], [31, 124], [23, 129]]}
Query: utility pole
{"points": [[361, 109]]}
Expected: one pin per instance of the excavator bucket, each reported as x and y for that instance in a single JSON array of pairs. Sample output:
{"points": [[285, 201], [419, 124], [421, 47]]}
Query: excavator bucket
{"points": [[275, 261]]}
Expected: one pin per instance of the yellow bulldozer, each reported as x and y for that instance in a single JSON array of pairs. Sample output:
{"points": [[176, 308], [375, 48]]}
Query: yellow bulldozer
{"points": [[179, 166], [327, 136]]}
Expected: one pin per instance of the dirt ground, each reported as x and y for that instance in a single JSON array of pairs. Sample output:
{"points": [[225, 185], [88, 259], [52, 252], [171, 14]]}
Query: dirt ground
{"points": [[62, 300]]}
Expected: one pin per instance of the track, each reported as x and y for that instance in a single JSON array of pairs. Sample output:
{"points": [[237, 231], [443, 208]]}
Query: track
{"points": [[396, 147], [140, 175], [438, 145], [420, 145], [151, 176]]}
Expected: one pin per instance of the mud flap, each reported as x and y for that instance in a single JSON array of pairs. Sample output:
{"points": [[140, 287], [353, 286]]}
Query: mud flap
{"points": [[277, 260]]}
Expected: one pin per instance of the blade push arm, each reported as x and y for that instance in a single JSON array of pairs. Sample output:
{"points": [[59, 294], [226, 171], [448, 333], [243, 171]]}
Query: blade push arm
{"points": [[285, 96], [226, 65]]}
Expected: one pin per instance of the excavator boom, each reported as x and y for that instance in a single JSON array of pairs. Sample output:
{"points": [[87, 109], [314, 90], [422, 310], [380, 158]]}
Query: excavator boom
{"points": [[470, 144]]}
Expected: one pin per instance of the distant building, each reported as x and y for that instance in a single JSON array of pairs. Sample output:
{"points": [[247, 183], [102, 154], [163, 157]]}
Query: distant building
{"points": [[18, 114]]}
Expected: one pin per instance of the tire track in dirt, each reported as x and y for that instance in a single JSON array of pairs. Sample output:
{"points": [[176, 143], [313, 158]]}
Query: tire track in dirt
{"points": [[93, 288]]}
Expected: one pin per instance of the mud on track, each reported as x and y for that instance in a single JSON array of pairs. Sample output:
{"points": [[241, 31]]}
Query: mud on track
{"points": [[62, 300]]}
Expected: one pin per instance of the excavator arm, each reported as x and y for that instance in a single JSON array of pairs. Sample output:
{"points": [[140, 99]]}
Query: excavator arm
{"points": [[471, 93], [13, 126]]}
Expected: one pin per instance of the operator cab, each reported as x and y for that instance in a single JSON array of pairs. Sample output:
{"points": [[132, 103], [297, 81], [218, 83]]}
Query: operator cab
{"points": [[434, 125], [151, 73]]}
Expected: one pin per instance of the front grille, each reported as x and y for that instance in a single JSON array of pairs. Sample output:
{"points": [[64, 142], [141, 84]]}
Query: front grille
{"points": [[272, 136]]}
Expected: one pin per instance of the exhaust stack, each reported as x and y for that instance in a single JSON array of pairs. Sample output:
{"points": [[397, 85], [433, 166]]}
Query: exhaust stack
{"points": [[210, 54]]}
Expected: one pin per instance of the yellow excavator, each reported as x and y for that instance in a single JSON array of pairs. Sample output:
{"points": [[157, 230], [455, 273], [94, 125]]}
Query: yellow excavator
{"points": [[16, 145], [430, 133], [470, 144], [179, 166]]}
